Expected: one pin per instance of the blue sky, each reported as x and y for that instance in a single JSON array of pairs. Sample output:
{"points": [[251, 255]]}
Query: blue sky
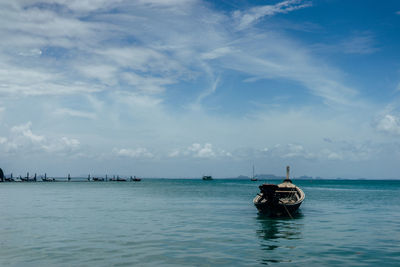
{"points": [[183, 88]]}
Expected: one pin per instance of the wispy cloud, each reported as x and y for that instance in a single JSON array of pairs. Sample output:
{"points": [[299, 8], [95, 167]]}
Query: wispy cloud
{"points": [[360, 43], [248, 17], [75, 113], [154, 54], [207, 92]]}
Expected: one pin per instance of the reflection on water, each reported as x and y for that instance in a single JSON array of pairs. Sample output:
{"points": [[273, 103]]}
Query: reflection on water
{"points": [[276, 235]]}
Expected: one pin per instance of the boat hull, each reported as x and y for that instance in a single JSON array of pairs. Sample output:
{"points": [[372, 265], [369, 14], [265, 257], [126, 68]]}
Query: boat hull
{"points": [[277, 209], [275, 202]]}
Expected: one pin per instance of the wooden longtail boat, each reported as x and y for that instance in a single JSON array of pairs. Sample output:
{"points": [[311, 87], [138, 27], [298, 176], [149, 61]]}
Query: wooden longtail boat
{"points": [[27, 178], [279, 200], [135, 179], [46, 179]]}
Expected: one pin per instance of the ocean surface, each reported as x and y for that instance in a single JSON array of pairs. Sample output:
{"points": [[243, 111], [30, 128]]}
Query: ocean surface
{"points": [[165, 222]]}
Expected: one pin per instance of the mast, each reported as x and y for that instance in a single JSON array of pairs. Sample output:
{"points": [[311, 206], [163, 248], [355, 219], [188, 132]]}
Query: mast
{"points": [[287, 172], [287, 175]]}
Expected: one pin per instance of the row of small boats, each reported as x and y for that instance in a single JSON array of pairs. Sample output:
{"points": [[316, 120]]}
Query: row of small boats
{"points": [[44, 178], [114, 179]]}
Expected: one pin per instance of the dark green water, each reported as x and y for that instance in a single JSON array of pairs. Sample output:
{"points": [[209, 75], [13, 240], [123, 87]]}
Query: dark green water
{"points": [[196, 223]]}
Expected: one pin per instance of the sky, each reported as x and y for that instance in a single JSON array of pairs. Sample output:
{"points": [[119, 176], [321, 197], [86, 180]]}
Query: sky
{"points": [[185, 88]]}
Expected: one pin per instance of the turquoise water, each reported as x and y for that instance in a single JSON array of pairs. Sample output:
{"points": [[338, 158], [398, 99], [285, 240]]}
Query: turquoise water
{"points": [[196, 223]]}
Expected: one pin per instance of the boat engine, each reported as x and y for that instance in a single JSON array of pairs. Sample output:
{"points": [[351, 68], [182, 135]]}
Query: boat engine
{"points": [[268, 192]]}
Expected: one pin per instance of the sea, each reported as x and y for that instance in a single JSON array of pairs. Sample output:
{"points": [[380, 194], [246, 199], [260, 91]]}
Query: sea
{"points": [[191, 222]]}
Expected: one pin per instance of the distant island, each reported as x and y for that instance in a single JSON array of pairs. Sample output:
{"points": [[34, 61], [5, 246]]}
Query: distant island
{"points": [[276, 177]]}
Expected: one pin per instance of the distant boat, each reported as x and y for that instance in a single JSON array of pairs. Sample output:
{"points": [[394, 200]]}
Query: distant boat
{"points": [[98, 179], [46, 179], [27, 178], [207, 177], [118, 179], [135, 179], [279, 200], [253, 178], [10, 179]]}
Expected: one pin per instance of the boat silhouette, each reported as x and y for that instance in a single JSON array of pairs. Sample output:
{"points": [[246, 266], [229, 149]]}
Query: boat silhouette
{"points": [[279, 200]]}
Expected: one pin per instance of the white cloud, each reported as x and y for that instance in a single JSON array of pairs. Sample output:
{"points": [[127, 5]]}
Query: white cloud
{"points": [[332, 155], [63, 145], [174, 153], [133, 153], [3, 140], [70, 142], [288, 151], [200, 151], [23, 141], [196, 150], [333, 151], [31, 52], [25, 131], [389, 124]]}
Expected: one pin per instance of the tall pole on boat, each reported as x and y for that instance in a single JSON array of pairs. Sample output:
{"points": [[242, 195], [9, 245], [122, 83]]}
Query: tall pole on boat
{"points": [[287, 172], [253, 172], [287, 180]]}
